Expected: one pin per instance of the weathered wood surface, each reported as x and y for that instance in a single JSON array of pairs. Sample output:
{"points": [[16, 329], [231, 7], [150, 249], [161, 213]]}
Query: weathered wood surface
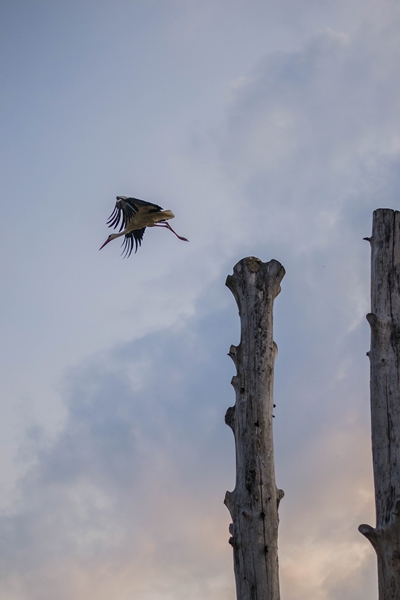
{"points": [[384, 355], [253, 504]]}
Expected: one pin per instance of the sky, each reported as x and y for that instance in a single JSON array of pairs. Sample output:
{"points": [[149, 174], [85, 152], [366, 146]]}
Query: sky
{"points": [[271, 129]]}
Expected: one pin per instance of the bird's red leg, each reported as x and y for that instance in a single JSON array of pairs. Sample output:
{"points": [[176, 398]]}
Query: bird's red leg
{"points": [[178, 236], [168, 226]]}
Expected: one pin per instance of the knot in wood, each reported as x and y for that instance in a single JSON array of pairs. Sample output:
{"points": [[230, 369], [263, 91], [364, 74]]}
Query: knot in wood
{"points": [[372, 319], [230, 416], [250, 478], [253, 264]]}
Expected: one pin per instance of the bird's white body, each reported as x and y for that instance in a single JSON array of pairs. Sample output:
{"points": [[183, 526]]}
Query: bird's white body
{"points": [[147, 218]]}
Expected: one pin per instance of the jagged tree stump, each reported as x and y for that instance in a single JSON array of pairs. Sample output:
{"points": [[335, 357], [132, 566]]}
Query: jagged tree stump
{"points": [[253, 504], [384, 355]]}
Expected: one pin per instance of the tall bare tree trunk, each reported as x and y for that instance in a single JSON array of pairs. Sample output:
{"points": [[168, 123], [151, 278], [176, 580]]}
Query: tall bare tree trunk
{"points": [[384, 355], [253, 504]]}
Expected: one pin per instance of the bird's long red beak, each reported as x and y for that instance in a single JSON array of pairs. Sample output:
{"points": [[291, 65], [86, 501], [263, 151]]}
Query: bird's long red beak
{"points": [[105, 243]]}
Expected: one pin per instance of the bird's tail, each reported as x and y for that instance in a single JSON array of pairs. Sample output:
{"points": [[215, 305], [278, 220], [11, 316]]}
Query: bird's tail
{"points": [[165, 215]]}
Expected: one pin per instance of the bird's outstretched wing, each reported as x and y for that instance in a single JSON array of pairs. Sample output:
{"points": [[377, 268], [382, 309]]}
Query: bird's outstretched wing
{"points": [[125, 209], [132, 239]]}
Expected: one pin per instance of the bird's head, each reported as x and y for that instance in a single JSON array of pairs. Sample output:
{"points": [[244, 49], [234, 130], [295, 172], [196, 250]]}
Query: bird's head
{"points": [[111, 237]]}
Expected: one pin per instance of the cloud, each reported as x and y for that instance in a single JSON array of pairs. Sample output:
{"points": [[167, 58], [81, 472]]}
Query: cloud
{"points": [[125, 498], [120, 496], [315, 135]]}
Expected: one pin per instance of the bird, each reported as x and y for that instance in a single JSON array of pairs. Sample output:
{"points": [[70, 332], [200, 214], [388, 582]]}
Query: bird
{"points": [[133, 216]]}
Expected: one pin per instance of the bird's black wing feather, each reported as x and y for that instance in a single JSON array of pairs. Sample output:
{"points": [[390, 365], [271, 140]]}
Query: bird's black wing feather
{"points": [[122, 213], [114, 218], [134, 238], [125, 209], [138, 203]]}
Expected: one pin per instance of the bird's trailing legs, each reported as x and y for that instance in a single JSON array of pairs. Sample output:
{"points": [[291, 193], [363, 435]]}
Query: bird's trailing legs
{"points": [[168, 226]]}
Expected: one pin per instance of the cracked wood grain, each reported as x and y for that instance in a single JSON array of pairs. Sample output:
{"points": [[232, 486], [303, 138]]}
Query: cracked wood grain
{"points": [[254, 502], [384, 355]]}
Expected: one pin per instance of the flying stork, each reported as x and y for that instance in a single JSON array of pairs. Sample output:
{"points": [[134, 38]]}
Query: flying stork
{"points": [[134, 216]]}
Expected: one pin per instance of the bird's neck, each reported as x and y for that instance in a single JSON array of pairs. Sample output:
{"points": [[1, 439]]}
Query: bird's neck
{"points": [[117, 235]]}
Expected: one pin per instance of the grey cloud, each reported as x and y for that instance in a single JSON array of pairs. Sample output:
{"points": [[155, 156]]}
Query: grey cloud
{"points": [[131, 473], [135, 481], [128, 498], [315, 133]]}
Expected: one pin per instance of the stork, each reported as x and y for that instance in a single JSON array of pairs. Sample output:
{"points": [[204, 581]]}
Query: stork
{"points": [[134, 216]]}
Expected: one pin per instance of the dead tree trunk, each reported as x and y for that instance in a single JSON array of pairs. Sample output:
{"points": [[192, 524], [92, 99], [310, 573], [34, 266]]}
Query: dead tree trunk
{"points": [[253, 504], [384, 355]]}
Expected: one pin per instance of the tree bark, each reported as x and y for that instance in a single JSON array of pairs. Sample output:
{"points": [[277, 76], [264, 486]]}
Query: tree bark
{"points": [[253, 504], [384, 356]]}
